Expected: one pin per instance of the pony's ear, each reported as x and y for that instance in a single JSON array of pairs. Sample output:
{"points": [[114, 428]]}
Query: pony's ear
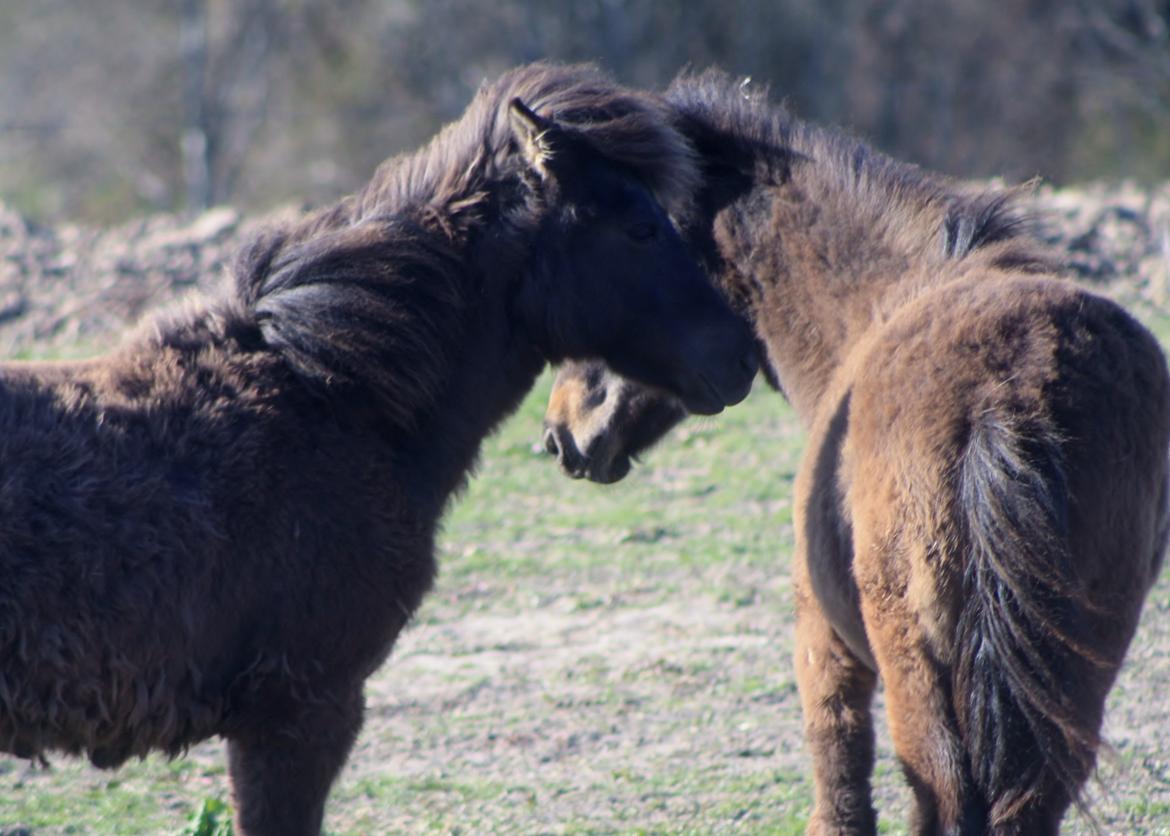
{"points": [[533, 133]]}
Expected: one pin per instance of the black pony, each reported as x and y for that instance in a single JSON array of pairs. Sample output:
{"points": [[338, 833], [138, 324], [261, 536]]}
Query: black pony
{"points": [[221, 527]]}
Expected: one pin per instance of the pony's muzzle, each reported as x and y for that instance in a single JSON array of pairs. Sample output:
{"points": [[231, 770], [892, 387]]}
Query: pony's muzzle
{"points": [[559, 443]]}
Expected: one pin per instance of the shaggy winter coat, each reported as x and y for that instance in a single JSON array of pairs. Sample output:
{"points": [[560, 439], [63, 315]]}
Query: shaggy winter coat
{"points": [[982, 505]]}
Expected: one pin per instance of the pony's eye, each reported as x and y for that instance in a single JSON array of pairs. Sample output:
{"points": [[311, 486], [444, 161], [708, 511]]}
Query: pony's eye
{"points": [[644, 231]]}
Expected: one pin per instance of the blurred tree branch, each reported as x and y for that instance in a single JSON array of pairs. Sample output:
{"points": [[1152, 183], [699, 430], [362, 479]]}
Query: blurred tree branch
{"points": [[157, 104], [1133, 36]]}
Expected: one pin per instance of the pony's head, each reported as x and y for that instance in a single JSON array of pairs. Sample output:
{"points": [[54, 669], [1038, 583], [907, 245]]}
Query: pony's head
{"points": [[597, 422], [609, 275]]}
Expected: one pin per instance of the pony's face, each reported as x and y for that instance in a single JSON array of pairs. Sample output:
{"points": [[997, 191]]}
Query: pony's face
{"points": [[597, 421], [613, 279]]}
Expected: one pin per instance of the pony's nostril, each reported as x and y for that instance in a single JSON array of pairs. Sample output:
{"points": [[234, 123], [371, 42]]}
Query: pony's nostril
{"points": [[550, 443], [560, 443]]}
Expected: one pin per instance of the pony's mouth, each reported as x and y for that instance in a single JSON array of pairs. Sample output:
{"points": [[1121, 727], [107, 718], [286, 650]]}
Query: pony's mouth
{"points": [[707, 400], [706, 397], [703, 396], [577, 465], [606, 473]]}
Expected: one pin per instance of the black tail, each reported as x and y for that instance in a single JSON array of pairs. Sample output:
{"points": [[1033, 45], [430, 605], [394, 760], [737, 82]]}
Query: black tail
{"points": [[1023, 657]]}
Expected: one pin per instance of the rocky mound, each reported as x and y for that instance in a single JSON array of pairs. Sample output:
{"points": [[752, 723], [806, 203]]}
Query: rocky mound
{"points": [[73, 289], [1114, 236]]}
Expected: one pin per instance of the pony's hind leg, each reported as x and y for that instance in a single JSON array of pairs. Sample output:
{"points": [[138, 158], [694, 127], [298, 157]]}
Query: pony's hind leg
{"points": [[281, 777], [836, 689], [921, 718]]}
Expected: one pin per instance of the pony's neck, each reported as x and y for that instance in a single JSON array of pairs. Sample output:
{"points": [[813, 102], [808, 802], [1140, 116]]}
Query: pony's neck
{"points": [[799, 271], [837, 246], [398, 306], [485, 378]]}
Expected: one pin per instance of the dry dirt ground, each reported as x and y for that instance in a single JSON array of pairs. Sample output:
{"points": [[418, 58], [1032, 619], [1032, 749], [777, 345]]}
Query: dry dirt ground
{"points": [[592, 660]]}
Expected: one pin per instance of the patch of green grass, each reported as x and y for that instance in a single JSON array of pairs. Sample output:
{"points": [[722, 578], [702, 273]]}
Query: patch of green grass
{"points": [[87, 805], [74, 351], [1149, 810], [213, 818], [703, 501], [437, 803], [1157, 322], [700, 800]]}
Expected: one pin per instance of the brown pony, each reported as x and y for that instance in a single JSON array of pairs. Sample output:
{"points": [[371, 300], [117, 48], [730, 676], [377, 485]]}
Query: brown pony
{"points": [[221, 527], [982, 505]]}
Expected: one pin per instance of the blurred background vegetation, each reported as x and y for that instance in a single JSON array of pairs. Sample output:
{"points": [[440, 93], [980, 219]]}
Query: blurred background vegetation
{"points": [[119, 107]]}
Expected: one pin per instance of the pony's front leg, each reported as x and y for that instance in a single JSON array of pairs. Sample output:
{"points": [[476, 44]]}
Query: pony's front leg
{"points": [[836, 689], [281, 776]]}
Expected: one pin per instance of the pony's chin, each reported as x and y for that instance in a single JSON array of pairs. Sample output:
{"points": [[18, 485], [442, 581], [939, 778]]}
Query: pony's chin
{"points": [[710, 398], [704, 407], [609, 472], [704, 399]]}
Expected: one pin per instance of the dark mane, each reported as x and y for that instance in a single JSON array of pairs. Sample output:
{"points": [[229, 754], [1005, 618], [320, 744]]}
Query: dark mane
{"points": [[370, 292], [627, 127], [734, 123], [376, 305]]}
